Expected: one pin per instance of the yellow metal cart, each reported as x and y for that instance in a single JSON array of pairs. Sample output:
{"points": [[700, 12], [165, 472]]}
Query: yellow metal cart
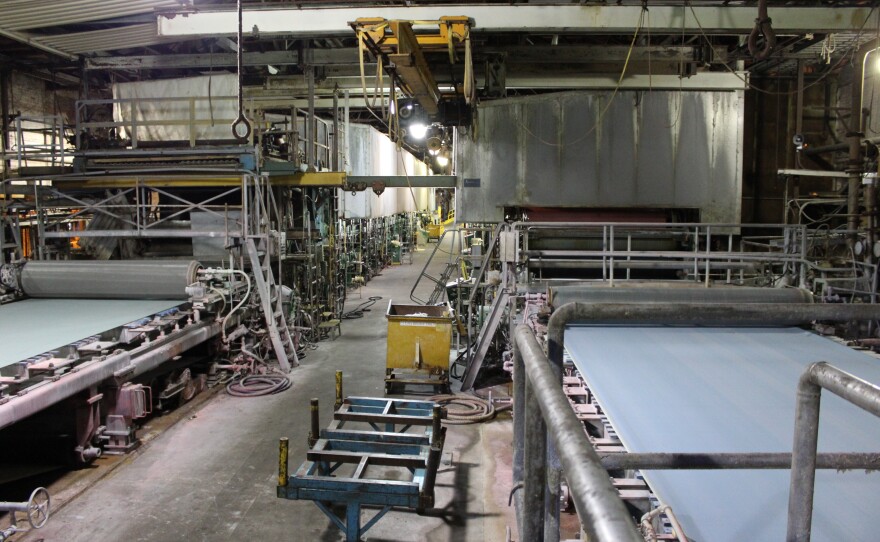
{"points": [[419, 338]]}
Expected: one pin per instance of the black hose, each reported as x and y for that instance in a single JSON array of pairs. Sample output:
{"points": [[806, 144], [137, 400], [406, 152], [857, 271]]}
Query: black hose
{"points": [[258, 385], [358, 312]]}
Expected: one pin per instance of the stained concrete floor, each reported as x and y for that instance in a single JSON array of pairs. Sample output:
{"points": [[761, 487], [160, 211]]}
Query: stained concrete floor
{"points": [[212, 476]]}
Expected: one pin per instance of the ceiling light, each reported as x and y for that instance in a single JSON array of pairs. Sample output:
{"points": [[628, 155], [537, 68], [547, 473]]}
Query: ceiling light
{"points": [[417, 130], [442, 160]]}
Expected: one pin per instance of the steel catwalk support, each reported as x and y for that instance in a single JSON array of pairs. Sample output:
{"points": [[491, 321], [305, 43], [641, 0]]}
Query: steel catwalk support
{"points": [[601, 511], [804, 460]]}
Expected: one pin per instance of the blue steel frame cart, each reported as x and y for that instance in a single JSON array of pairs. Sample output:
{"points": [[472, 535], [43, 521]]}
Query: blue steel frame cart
{"points": [[381, 436]]}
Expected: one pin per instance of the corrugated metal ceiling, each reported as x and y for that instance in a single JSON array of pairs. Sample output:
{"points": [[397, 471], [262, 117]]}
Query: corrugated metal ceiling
{"points": [[85, 26], [139, 35], [19, 15]]}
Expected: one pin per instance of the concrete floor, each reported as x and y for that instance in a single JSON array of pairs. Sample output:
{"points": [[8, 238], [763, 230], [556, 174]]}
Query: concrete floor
{"points": [[212, 476]]}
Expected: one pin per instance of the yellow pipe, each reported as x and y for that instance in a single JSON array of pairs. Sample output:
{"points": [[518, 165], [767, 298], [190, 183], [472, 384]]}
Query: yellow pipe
{"points": [[338, 390], [283, 450]]}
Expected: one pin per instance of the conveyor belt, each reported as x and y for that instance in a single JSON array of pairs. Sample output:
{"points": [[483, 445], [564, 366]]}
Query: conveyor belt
{"points": [[34, 326], [677, 389]]}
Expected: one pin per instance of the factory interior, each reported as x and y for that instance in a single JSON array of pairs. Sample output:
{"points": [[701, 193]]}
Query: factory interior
{"points": [[441, 271]]}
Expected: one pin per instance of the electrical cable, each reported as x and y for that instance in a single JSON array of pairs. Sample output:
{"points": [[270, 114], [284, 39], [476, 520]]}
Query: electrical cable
{"points": [[358, 312], [614, 93]]}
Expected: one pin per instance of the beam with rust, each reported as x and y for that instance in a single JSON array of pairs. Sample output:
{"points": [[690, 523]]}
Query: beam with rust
{"points": [[402, 181], [319, 57], [412, 68]]}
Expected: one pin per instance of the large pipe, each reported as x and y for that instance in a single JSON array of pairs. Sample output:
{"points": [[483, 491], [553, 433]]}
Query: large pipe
{"points": [[561, 295], [724, 461], [745, 314], [804, 461], [112, 279], [603, 515]]}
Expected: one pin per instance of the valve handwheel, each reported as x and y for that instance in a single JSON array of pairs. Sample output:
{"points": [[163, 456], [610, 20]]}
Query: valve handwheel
{"points": [[38, 508]]}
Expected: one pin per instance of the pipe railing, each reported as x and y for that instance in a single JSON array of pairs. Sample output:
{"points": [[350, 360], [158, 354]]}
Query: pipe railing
{"points": [[603, 515], [805, 460], [525, 469]]}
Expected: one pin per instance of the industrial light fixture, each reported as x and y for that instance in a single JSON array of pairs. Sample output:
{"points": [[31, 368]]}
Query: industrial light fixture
{"points": [[417, 130], [442, 160]]}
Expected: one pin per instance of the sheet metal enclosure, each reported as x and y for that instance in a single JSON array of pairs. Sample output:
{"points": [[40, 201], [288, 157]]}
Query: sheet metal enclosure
{"points": [[657, 149], [687, 389]]}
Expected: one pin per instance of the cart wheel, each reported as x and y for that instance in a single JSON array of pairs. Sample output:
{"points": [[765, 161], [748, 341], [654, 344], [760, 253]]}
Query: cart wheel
{"points": [[38, 508]]}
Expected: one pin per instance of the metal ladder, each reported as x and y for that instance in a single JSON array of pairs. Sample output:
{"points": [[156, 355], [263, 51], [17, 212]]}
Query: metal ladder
{"points": [[452, 266], [276, 322]]}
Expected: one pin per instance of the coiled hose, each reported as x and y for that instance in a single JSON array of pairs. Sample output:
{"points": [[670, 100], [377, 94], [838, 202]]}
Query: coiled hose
{"points": [[258, 385], [469, 409]]}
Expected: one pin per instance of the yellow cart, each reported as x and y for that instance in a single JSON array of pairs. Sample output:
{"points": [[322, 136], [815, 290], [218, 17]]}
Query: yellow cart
{"points": [[419, 339]]}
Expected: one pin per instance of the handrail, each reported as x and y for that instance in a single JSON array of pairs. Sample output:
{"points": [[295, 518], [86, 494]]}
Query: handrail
{"points": [[496, 235], [602, 513], [850, 388], [427, 263]]}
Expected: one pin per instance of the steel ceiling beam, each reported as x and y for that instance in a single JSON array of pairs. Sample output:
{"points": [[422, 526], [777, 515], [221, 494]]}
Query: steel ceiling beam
{"points": [[520, 18], [183, 61], [591, 54]]}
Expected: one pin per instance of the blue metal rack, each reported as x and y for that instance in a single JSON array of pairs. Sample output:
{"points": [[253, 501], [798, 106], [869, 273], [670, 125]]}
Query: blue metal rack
{"points": [[381, 438]]}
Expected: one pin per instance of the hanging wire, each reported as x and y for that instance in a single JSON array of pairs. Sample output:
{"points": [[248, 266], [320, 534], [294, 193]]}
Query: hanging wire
{"points": [[601, 116]]}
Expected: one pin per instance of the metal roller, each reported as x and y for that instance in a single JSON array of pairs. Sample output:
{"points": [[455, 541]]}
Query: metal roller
{"points": [[113, 279], [560, 295]]}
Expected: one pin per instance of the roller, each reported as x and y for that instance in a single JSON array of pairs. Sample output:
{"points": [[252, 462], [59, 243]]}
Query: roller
{"points": [[113, 279], [560, 295]]}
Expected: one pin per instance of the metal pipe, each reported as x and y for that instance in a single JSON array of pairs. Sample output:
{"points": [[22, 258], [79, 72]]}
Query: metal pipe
{"points": [[338, 402], [855, 390], [726, 461], [435, 425], [745, 314], [283, 453], [519, 428], [560, 295], [315, 414], [535, 470], [426, 498], [603, 515], [519, 409]]}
